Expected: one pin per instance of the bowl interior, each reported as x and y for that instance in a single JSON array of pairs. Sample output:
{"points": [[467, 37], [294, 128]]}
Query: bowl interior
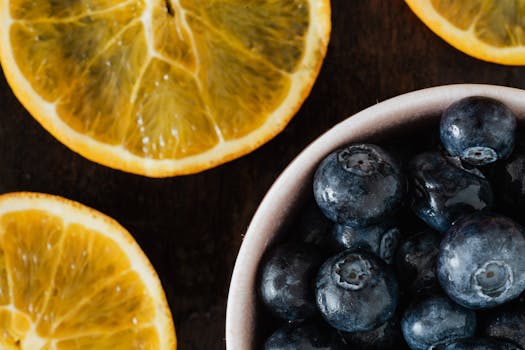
{"points": [[405, 120]]}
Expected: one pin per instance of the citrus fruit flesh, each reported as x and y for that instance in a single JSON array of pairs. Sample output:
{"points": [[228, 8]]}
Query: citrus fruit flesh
{"points": [[491, 30], [72, 278], [163, 87]]}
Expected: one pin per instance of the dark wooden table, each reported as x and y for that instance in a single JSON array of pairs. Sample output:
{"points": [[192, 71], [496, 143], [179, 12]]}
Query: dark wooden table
{"points": [[191, 227]]}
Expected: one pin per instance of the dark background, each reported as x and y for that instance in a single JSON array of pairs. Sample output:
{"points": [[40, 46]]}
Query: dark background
{"points": [[191, 227]]}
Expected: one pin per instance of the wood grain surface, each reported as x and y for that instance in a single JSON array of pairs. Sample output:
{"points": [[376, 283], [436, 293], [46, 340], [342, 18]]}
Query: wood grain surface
{"points": [[191, 227]]}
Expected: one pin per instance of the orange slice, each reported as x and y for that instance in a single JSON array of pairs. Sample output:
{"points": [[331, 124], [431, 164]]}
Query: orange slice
{"points": [[163, 87], [72, 278], [491, 30]]}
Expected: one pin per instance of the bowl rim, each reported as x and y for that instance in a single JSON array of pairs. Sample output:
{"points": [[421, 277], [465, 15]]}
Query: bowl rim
{"points": [[285, 191]]}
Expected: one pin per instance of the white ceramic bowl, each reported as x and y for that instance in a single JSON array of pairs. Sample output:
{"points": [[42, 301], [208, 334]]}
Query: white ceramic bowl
{"points": [[288, 191]]}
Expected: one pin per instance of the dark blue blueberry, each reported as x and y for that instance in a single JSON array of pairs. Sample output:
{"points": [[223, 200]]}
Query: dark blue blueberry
{"points": [[442, 190], [304, 336], [416, 262], [436, 321], [481, 344], [507, 325], [356, 291], [479, 130], [287, 281], [381, 239], [388, 336], [481, 262], [359, 185]]}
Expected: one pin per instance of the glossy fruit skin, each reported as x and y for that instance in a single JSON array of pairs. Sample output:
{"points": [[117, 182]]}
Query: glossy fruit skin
{"points": [[359, 185], [287, 279], [481, 344], [308, 335], [424, 327], [506, 325], [356, 291], [415, 262], [442, 190], [479, 130], [381, 239], [481, 262]]}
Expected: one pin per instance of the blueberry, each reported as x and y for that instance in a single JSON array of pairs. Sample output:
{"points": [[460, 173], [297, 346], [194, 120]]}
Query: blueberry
{"points": [[380, 239], [287, 280], [481, 262], [507, 325], [388, 336], [359, 185], [443, 190], [481, 344], [305, 336], [479, 130], [356, 291], [416, 262], [436, 321]]}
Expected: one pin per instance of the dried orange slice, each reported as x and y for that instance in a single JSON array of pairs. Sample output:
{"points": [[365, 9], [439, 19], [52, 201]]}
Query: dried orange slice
{"points": [[491, 30], [72, 278], [163, 87]]}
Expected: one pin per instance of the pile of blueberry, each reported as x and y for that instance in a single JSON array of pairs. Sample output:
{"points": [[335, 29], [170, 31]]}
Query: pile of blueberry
{"points": [[351, 274]]}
